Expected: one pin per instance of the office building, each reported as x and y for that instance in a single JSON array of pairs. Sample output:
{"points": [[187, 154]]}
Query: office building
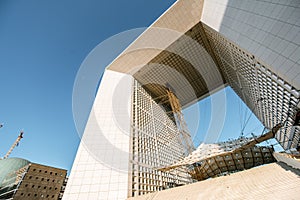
{"points": [[21, 179], [197, 47]]}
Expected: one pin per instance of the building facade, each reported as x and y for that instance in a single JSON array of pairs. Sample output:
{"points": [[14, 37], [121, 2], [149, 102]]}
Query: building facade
{"points": [[21, 179], [195, 48], [155, 142]]}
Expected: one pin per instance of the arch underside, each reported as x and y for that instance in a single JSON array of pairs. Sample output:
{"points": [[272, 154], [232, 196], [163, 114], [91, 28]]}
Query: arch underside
{"points": [[218, 63]]}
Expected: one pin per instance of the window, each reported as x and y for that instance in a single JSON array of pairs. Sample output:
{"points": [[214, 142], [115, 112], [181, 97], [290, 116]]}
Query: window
{"points": [[30, 177], [50, 172], [47, 196], [55, 188], [28, 194], [34, 170], [48, 179], [35, 195], [22, 194], [45, 171], [50, 188], [40, 170], [37, 178], [53, 180], [55, 173], [32, 186], [39, 186], [42, 179], [26, 185], [52, 196], [45, 187]]}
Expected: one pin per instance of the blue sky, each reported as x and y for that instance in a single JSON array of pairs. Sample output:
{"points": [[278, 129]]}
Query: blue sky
{"points": [[42, 45]]}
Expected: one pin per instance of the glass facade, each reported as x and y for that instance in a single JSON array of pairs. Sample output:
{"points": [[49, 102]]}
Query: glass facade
{"points": [[12, 171]]}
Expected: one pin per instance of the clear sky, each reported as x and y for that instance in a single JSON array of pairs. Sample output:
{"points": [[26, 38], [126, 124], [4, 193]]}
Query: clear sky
{"points": [[42, 45]]}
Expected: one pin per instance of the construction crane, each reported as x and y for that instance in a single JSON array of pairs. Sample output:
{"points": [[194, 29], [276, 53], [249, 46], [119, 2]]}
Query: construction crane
{"points": [[14, 145], [180, 122]]}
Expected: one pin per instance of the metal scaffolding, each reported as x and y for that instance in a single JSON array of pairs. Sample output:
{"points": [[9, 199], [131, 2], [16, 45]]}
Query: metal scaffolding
{"points": [[180, 122]]}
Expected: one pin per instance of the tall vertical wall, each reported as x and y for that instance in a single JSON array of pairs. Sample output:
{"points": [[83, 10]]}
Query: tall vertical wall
{"points": [[155, 143], [270, 30], [100, 169], [258, 46]]}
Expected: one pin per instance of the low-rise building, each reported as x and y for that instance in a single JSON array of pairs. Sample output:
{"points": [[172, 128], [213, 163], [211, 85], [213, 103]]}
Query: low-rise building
{"points": [[21, 179]]}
